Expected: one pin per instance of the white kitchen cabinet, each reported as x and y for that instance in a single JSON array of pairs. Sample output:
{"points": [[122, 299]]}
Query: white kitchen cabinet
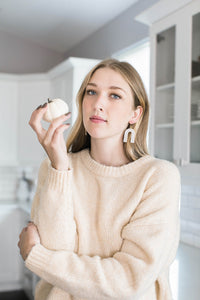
{"points": [[175, 99], [175, 82]]}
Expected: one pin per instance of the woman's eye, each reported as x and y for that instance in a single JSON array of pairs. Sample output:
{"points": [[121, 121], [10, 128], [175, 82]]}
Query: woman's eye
{"points": [[90, 92], [115, 96]]}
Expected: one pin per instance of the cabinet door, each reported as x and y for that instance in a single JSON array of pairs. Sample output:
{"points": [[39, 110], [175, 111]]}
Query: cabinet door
{"points": [[165, 93], [187, 125], [195, 92], [8, 122], [176, 87]]}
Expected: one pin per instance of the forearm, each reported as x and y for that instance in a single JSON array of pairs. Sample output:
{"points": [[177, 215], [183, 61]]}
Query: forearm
{"points": [[83, 276]]}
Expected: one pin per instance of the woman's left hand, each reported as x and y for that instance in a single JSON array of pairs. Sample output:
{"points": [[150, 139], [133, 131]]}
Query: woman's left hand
{"points": [[28, 238]]}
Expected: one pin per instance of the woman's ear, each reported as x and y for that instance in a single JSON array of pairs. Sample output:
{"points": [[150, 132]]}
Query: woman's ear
{"points": [[136, 115]]}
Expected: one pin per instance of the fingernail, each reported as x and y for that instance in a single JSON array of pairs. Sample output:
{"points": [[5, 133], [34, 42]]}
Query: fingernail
{"points": [[44, 105], [39, 106]]}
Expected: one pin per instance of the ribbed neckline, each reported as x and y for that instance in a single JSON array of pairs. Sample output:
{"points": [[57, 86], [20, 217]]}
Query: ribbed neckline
{"points": [[110, 171]]}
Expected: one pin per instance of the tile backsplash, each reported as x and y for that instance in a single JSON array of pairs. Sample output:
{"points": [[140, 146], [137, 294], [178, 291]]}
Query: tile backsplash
{"points": [[190, 215]]}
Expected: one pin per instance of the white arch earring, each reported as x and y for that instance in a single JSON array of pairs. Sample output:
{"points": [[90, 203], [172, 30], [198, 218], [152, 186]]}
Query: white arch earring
{"points": [[129, 130]]}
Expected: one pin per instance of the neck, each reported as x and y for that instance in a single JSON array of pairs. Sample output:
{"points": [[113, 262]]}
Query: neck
{"points": [[108, 153]]}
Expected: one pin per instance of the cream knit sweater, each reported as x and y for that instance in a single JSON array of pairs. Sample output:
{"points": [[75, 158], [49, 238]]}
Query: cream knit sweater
{"points": [[106, 232]]}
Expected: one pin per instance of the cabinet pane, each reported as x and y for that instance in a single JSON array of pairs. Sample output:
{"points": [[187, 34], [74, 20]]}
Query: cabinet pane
{"points": [[165, 52], [164, 110], [195, 92], [196, 45], [165, 86], [163, 143]]}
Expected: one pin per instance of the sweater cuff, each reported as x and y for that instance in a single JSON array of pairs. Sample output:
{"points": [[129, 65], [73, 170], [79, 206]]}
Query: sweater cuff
{"points": [[58, 180], [38, 259]]}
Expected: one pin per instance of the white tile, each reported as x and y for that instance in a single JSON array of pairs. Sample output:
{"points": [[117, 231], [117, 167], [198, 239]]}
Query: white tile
{"points": [[185, 189], [187, 238], [184, 200], [194, 201], [197, 191], [196, 212], [184, 213], [197, 241]]}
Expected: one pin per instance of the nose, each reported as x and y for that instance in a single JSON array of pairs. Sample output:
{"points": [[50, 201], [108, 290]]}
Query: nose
{"points": [[100, 102]]}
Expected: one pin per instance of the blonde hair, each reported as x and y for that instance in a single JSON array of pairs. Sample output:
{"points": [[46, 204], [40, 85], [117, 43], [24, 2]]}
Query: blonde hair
{"points": [[78, 140]]}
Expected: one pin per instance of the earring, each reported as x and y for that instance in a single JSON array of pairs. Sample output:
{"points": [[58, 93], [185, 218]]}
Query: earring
{"points": [[126, 135], [85, 132]]}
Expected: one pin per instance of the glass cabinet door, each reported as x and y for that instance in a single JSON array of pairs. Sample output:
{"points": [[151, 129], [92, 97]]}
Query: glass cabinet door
{"points": [[165, 90], [195, 92]]}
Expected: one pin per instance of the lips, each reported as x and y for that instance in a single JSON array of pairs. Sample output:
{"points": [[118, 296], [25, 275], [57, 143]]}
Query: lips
{"points": [[97, 119]]}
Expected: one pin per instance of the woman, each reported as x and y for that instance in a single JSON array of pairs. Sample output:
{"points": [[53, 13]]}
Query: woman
{"points": [[105, 217]]}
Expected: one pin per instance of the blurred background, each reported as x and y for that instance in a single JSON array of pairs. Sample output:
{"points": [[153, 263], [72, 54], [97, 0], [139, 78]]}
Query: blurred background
{"points": [[46, 49]]}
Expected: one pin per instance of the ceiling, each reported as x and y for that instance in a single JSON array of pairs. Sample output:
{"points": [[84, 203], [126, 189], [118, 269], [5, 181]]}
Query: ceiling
{"points": [[58, 24]]}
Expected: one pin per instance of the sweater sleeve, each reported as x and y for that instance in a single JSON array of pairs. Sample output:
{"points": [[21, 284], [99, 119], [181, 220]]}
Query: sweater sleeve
{"points": [[52, 206], [149, 245]]}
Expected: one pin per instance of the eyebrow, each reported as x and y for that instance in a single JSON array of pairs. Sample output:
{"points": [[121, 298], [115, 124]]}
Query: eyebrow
{"points": [[111, 87]]}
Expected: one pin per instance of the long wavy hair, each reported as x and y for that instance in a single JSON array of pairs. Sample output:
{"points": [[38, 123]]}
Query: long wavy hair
{"points": [[78, 140]]}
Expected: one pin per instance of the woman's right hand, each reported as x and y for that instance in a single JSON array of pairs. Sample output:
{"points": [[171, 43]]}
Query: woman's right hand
{"points": [[52, 140]]}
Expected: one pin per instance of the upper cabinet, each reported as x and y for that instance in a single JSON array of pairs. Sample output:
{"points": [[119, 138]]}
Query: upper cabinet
{"points": [[21, 94], [195, 91], [164, 93], [175, 81]]}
